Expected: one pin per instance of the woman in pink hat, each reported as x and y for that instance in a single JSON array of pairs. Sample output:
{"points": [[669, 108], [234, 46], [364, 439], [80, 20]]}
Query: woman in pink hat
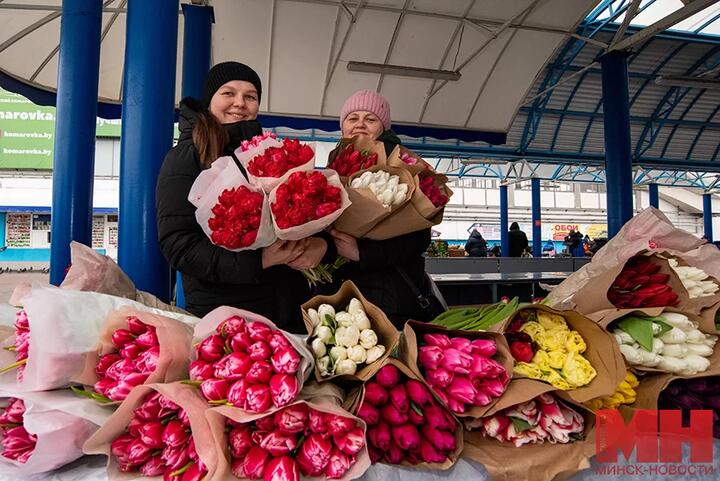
{"points": [[391, 272]]}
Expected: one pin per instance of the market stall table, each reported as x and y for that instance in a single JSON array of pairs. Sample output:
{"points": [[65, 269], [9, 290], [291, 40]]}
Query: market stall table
{"points": [[493, 279]]}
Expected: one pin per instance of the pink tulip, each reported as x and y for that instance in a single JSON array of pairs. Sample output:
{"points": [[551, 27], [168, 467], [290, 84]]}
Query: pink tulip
{"points": [[135, 378], [196, 472], [201, 370], [314, 454], [258, 398], [461, 344], [338, 465], [149, 410], [266, 423], [118, 370], [442, 440], [399, 398], [136, 326], [148, 339], [492, 387], [259, 351], [416, 417], [175, 457], [240, 342], [316, 421], [134, 426], [482, 398], [215, 389], [284, 388], [380, 436], [286, 361], [484, 368], [368, 413], [388, 376], [21, 320], [131, 350], [211, 349], [278, 444], [484, 347], [259, 372], [292, 419], [153, 467], [138, 452], [147, 361], [119, 447], [258, 331], [394, 455], [406, 437], [120, 391], [418, 393], [351, 442], [375, 394], [428, 453], [151, 434], [431, 357], [440, 340], [457, 361], [234, 366], [237, 394], [175, 434], [183, 418], [240, 441], [284, 468], [337, 424], [231, 326], [105, 362], [255, 462], [121, 337], [456, 406], [13, 414], [462, 390], [392, 416], [278, 341], [18, 444], [439, 418]]}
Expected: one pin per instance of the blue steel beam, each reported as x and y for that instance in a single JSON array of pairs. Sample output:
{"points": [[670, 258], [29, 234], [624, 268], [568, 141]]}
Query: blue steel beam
{"points": [[633, 118], [504, 238], [708, 216], [688, 108], [536, 218], [701, 131], [654, 193]]}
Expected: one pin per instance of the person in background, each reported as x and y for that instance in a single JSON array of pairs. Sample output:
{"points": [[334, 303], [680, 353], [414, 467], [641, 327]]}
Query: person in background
{"points": [[476, 245], [518, 241], [495, 251], [266, 281], [549, 249], [390, 272], [574, 241]]}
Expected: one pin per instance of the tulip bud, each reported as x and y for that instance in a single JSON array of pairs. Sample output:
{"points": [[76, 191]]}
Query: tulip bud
{"points": [[196, 472], [284, 388], [138, 452], [388, 376], [284, 468], [368, 413], [399, 398], [214, 389], [443, 441], [430, 357], [318, 348], [394, 454], [323, 365], [324, 333], [292, 419], [344, 319], [462, 390], [258, 331], [338, 353], [231, 326], [254, 463], [201, 370], [406, 437], [457, 361], [211, 349], [238, 393], [240, 441], [286, 361], [119, 447], [375, 454], [118, 370], [484, 347], [418, 393], [440, 340], [346, 366], [258, 398], [278, 444], [104, 385], [337, 424], [347, 336], [314, 454], [392, 416], [374, 353], [135, 378], [461, 344], [350, 442], [136, 326], [316, 421], [259, 351], [356, 354], [260, 372], [240, 342], [380, 436], [153, 467], [314, 316], [234, 366], [278, 341], [375, 394], [175, 434], [325, 310], [266, 423], [151, 434], [368, 338], [148, 339], [361, 321], [439, 418], [147, 361], [428, 453], [338, 465], [120, 391], [439, 377], [121, 337]]}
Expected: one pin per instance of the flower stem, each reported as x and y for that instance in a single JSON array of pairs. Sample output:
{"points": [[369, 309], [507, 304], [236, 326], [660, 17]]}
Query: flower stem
{"points": [[12, 366]]}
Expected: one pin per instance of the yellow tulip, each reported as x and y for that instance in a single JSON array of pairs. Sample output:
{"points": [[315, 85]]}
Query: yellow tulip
{"points": [[577, 370], [553, 339], [527, 370], [533, 329], [554, 378], [551, 321], [556, 359], [575, 342]]}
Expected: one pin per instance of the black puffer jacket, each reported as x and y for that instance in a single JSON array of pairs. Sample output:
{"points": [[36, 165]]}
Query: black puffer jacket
{"points": [[376, 273], [476, 245], [213, 276]]}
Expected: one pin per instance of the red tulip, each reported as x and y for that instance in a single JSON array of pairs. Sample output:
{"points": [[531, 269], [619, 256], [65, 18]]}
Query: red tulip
{"points": [[314, 454], [192, 452], [337, 424], [215, 389], [258, 398], [201, 370], [153, 467], [431, 357], [316, 421], [105, 362], [375, 394], [138, 452], [104, 385], [254, 463], [120, 391], [258, 331], [147, 361], [118, 370], [375, 454], [380, 436], [119, 447], [18, 444], [260, 372], [388, 376], [237, 468], [350, 442], [134, 426], [175, 457], [442, 440], [196, 472], [292, 419], [151, 434], [183, 418], [399, 398], [131, 350], [240, 441], [233, 366], [521, 351], [278, 341], [338, 465], [416, 417], [368, 413], [121, 337], [278, 444], [438, 418], [284, 388], [406, 437], [266, 423], [394, 455], [231, 326], [392, 416], [148, 339], [440, 340], [150, 409], [237, 394], [429, 454], [135, 378], [240, 342], [136, 326], [211, 349], [418, 393], [283, 468], [286, 361], [259, 351], [175, 434]]}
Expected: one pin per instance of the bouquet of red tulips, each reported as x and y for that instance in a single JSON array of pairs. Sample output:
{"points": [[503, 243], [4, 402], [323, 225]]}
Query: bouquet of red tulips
{"points": [[640, 284], [243, 360]]}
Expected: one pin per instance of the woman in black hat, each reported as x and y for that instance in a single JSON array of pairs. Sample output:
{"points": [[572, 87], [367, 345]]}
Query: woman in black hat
{"points": [[266, 281]]}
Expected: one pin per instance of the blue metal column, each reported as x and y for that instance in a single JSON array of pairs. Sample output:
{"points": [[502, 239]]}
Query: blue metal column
{"points": [[654, 195], [536, 218], [504, 240], [147, 132], [708, 216], [74, 162], [197, 46], [618, 161]]}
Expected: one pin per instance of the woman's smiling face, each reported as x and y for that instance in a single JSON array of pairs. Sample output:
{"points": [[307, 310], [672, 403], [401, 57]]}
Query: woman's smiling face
{"points": [[235, 101]]}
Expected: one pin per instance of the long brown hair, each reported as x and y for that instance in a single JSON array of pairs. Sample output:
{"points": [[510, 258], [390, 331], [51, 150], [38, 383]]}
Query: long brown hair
{"points": [[209, 137]]}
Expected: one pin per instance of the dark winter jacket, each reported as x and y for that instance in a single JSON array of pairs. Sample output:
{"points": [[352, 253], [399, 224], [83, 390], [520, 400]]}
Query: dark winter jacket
{"points": [[476, 246], [518, 241], [213, 276], [376, 274]]}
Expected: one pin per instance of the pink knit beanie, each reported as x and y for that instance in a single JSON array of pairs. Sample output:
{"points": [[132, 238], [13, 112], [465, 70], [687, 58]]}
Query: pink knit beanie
{"points": [[368, 101]]}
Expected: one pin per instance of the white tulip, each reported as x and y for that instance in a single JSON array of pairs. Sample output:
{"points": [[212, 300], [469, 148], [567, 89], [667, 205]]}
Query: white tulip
{"points": [[631, 355], [326, 310], [648, 359], [338, 353], [344, 319], [361, 320], [323, 365], [678, 320], [368, 338], [695, 364], [671, 364], [674, 350], [347, 336], [374, 353], [314, 316], [345, 366], [657, 346], [318, 348], [357, 354], [324, 333], [674, 336], [355, 306], [699, 350], [623, 337], [695, 337]]}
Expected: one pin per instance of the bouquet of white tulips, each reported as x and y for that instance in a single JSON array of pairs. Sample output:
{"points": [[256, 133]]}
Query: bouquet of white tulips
{"points": [[695, 280], [344, 341]]}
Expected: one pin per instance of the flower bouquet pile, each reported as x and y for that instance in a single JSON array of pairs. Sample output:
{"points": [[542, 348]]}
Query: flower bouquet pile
{"points": [[640, 284], [695, 280]]}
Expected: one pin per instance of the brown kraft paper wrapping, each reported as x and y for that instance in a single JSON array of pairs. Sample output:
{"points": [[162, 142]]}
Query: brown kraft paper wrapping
{"points": [[505, 462], [355, 400], [386, 333], [418, 214], [366, 210], [174, 339], [186, 397], [409, 349], [707, 319], [218, 416], [602, 352]]}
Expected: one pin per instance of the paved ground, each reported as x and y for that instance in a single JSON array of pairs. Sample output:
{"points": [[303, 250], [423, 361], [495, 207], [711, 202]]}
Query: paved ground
{"points": [[8, 281]]}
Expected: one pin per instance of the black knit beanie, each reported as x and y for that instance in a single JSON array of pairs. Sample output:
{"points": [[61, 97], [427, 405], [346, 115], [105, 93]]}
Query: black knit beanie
{"points": [[225, 72]]}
